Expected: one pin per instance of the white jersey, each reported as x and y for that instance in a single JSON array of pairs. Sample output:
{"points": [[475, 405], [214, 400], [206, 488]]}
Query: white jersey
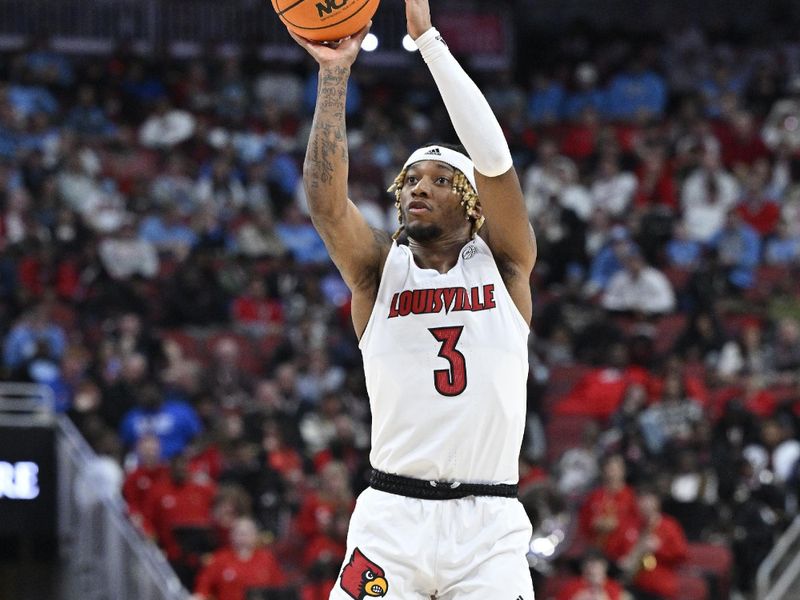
{"points": [[446, 363]]}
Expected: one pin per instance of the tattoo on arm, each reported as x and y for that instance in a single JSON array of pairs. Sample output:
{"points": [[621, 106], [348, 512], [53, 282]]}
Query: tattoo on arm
{"points": [[327, 158]]}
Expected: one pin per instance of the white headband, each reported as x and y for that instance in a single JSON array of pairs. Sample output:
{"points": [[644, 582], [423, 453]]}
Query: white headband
{"points": [[449, 157]]}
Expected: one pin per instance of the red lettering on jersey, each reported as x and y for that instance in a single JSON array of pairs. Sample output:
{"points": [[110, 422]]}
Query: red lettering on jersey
{"points": [[488, 297], [418, 301], [393, 312], [448, 295], [462, 300], [435, 300], [405, 304]]}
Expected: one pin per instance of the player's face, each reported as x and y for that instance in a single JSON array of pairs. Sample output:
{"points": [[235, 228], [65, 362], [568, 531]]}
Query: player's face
{"points": [[430, 206]]}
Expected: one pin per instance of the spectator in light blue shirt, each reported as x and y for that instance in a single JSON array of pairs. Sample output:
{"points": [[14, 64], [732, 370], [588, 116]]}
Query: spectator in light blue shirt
{"points": [[30, 334], [784, 248], [738, 248], [546, 99], [608, 260], [681, 250], [638, 91], [167, 232], [300, 238], [173, 421], [586, 94], [28, 99], [87, 118]]}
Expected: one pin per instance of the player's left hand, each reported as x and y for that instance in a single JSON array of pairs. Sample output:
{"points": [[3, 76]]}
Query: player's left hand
{"points": [[418, 17]]}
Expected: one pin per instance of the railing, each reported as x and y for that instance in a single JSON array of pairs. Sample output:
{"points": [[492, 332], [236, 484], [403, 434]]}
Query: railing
{"points": [[779, 573], [104, 557]]}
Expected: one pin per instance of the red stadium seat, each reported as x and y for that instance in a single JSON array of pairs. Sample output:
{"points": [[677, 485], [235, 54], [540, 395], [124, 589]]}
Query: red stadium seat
{"points": [[711, 560], [564, 432], [692, 587]]}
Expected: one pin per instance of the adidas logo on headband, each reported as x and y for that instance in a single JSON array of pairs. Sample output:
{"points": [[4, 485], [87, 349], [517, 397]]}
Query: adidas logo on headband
{"points": [[455, 159]]}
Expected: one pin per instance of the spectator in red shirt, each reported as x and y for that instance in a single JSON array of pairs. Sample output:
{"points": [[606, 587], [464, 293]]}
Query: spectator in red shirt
{"points": [[334, 495], [754, 208], [178, 501], [149, 471], [599, 392], [609, 506], [648, 550], [594, 583], [254, 313], [244, 565]]}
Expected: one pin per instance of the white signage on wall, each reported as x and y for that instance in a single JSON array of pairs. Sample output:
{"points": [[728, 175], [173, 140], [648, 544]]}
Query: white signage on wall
{"points": [[19, 481]]}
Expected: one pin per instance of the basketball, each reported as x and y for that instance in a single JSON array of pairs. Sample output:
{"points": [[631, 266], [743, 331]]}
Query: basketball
{"points": [[325, 20]]}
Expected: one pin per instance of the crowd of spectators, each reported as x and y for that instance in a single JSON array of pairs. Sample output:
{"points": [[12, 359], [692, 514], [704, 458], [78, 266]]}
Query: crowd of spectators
{"points": [[159, 272]]}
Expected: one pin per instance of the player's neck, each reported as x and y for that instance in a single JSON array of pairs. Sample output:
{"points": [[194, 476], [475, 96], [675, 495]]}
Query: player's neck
{"points": [[441, 254]]}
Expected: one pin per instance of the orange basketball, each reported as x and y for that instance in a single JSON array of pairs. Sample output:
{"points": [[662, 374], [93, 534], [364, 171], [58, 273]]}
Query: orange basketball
{"points": [[325, 20]]}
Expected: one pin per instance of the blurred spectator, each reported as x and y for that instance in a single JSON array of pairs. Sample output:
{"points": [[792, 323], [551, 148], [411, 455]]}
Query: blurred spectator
{"points": [[738, 249], [254, 313], [546, 98], [648, 550], [243, 566], [670, 422], [638, 92], [639, 288], [681, 251], [33, 332], [599, 392], [612, 189], [149, 470], [594, 582], [166, 127], [707, 196], [124, 255], [178, 501], [301, 239], [585, 94], [173, 421], [609, 506]]}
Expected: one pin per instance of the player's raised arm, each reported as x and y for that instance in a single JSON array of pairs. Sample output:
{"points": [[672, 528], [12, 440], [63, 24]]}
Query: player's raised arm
{"points": [[507, 229], [356, 250]]}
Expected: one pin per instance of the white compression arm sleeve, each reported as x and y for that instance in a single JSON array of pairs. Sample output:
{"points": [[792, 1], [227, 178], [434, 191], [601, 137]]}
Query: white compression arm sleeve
{"points": [[472, 118]]}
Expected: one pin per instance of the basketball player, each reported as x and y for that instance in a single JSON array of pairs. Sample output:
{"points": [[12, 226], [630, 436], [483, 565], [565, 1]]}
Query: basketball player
{"points": [[442, 313]]}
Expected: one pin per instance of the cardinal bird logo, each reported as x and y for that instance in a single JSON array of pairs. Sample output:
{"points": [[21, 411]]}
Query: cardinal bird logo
{"points": [[361, 578]]}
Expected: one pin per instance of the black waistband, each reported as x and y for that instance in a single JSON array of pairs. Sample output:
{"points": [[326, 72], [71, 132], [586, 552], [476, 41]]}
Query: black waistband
{"points": [[437, 490]]}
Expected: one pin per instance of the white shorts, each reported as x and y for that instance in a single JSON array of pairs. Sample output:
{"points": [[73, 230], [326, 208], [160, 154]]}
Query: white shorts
{"points": [[402, 548]]}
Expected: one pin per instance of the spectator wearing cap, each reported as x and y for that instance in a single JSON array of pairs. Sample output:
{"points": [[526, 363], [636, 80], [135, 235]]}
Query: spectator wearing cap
{"points": [[638, 288]]}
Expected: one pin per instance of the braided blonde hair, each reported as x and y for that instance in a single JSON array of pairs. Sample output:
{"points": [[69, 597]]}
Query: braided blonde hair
{"points": [[461, 186]]}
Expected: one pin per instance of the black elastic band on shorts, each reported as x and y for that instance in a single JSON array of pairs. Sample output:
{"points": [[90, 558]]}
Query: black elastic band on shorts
{"points": [[437, 490]]}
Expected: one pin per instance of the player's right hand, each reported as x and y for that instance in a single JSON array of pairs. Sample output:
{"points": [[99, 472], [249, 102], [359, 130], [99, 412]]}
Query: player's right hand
{"points": [[418, 17], [335, 54]]}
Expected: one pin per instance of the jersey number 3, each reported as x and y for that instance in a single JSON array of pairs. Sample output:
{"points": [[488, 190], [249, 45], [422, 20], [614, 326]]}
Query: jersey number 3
{"points": [[452, 381]]}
